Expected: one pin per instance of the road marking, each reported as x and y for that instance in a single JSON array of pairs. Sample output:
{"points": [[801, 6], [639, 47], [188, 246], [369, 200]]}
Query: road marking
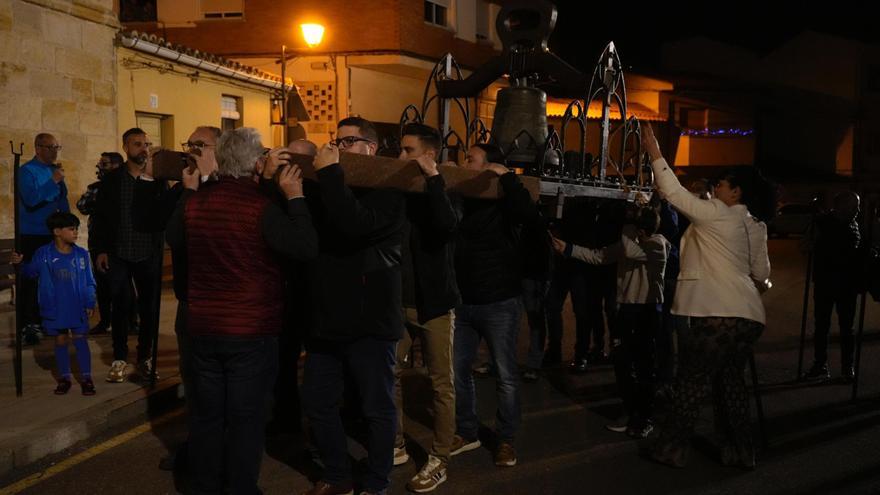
{"points": [[25, 483]]}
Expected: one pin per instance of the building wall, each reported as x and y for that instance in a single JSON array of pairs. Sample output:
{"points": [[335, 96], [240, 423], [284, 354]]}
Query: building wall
{"points": [[57, 75], [191, 102], [715, 151], [352, 26]]}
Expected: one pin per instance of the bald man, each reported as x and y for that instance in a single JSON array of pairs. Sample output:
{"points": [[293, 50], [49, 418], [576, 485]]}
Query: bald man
{"points": [[42, 191], [835, 280]]}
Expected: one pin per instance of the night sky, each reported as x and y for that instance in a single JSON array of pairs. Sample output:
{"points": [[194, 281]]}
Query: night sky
{"points": [[584, 27]]}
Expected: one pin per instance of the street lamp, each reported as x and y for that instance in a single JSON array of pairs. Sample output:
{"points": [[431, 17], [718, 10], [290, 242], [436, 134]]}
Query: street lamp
{"points": [[313, 34]]}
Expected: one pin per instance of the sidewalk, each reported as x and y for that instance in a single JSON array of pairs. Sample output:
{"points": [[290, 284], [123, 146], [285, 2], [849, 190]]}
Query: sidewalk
{"points": [[40, 423]]}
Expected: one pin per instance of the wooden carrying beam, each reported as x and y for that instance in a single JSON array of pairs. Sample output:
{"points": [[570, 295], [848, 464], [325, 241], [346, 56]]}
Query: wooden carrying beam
{"points": [[403, 175], [376, 172]]}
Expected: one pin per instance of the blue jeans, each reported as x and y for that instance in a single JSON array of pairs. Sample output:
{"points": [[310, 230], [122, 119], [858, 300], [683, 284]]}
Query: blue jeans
{"points": [[371, 364], [232, 379], [498, 323]]}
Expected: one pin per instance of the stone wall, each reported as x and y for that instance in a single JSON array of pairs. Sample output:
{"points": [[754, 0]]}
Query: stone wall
{"points": [[57, 75]]}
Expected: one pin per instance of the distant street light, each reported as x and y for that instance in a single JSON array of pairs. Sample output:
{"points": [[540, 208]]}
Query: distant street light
{"points": [[313, 34]]}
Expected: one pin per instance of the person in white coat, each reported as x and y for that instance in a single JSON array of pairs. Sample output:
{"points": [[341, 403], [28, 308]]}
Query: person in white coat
{"points": [[724, 269]]}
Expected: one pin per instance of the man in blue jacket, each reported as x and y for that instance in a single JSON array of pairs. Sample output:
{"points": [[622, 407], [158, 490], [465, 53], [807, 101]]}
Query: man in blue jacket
{"points": [[42, 191]]}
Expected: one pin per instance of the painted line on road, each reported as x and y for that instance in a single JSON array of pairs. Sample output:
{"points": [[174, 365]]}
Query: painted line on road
{"points": [[87, 454]]}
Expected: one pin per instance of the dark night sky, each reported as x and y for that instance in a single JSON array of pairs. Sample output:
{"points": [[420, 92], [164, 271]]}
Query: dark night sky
{"points": [[584, 27]]}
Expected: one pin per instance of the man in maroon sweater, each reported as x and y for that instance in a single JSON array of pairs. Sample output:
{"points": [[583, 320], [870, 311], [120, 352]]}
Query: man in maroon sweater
{"points": [[235, 237]]}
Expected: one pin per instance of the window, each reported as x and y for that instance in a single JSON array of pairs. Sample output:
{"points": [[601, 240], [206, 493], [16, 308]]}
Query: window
{"points": [[222, 9], [437, 12], [230, 112], [483, 20], [137, 11], [159, 128]]}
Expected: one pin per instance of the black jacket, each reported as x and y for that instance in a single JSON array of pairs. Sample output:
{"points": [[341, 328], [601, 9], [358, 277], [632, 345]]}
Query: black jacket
{"points": [[355, 283], [428, 269], [488, 255], [105, 219]]}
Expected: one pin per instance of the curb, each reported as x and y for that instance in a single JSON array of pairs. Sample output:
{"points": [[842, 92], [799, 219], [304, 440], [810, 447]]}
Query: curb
{"points": [[137, 405]]}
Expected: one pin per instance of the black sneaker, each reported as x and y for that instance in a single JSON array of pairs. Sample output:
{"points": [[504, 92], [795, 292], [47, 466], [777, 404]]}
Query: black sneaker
{"points": [[30, 334], [818, 372], [88, 387], [578, 365], [63, 386], [598, 357], [641, 430]]}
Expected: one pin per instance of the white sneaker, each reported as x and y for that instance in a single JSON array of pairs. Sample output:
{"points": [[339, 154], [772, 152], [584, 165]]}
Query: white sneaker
{"points": [[432, 475], [400, 455], [117, 372]]}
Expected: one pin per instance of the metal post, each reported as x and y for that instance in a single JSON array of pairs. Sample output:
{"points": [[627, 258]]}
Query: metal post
{"points": [[19, 308], [444, 108], [807, 280], [284, 95], [870, 217]]}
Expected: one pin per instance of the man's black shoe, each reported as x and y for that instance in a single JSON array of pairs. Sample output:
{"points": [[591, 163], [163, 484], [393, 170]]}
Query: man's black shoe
{"points": [[578, 365], [848, 374], [100, 328], [818, 372]]}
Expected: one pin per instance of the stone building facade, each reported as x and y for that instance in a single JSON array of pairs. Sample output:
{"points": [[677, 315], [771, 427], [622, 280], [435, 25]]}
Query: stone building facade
{"points": [[57, 75]]}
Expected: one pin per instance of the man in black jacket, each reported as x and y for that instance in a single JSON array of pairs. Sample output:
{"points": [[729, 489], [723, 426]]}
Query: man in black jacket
{"points": [[355, 287], [488, 266], [430, 294], [835, 282], [126, 252]]}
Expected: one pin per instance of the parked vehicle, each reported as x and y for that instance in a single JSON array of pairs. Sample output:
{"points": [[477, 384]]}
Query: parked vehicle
{"points": [[791, 219]]}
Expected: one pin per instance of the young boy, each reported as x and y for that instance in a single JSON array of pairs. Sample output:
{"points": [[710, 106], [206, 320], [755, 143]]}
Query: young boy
{"points": [[66, 295], [641, 262]]}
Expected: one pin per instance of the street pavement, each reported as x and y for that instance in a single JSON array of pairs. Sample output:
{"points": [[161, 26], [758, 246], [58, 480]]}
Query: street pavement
{"points": [[819, 441]]}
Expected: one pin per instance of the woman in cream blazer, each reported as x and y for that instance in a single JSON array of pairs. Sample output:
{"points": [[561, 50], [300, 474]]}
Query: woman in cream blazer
{"points": [[724, 268]]}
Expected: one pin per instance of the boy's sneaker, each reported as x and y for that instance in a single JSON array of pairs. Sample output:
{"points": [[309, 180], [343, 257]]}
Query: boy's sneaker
{"points": [[432, 475], [818, 372], [505, 455], [460, 445], [88, 386], [400, 455], [63, 386], [530, 375], [117, 372]]}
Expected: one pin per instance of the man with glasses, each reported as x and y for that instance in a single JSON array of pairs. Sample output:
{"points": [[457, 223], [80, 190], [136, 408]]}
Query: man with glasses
{"points": [[355, 287], [42, 191], [128, 253], [152, 208]]}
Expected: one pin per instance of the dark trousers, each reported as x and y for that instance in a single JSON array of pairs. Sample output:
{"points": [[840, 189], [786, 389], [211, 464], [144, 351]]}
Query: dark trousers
{"points": [[104, 294], [713, 354], [826, 297], [601, 297], [232, 379], [28, 298], [567, 277], [370, 362], [632, 350], [184, 355], [286, 406], [665, 341], [146, 275]]}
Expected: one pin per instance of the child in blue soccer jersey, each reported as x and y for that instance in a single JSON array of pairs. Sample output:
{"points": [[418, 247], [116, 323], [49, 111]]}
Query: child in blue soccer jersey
{"points": [[66, 295]]}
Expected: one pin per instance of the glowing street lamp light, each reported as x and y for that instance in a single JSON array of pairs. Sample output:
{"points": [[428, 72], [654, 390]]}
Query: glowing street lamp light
{"points": [[312, 33]]}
